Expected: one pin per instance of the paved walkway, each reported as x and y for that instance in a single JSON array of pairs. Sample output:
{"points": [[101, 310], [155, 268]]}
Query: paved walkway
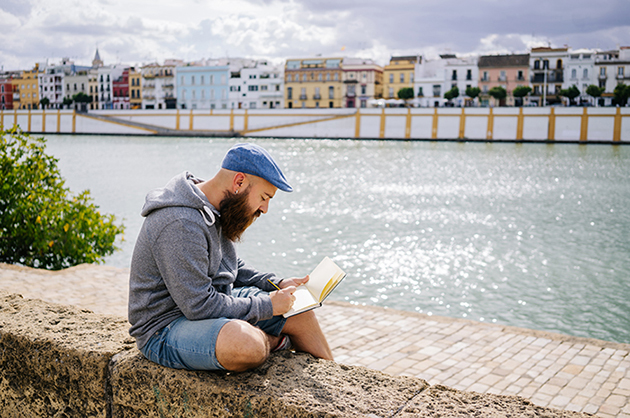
{"points": [[551, 370]]}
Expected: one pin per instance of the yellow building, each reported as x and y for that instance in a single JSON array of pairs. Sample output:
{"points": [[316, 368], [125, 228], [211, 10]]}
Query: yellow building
{"points": [[313, 83], [26, 90], [93, 87], [399, 73], [135, 88]]}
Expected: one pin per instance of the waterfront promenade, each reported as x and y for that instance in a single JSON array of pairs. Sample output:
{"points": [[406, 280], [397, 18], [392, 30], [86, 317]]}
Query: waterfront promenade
{"points": [[550, 369]]}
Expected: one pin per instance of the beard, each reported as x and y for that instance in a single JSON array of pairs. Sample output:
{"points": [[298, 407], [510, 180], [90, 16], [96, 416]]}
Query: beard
{"points": [[236, 215]]}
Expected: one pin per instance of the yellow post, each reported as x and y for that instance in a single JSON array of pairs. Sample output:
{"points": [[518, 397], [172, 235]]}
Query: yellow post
{"points": [[357, 124], [231, 119], [246, 121], [177, 120], [408, 124], [2, 118], [551, 133], [462, 124], [381, 133], [434, 127], [617, 127], [29, 120], [43, 120], [584, 126], [519, 124], [490, 130], [74, 120], [190, 122], [15, 116], [58, 120]]}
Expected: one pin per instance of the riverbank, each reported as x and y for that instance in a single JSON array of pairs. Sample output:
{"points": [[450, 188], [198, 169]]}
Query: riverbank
{"points": [[571, 124], [552, 370]]}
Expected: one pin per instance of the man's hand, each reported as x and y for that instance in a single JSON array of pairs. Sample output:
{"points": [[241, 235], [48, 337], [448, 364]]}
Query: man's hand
{"points": [[293, 282], [282, 300]]}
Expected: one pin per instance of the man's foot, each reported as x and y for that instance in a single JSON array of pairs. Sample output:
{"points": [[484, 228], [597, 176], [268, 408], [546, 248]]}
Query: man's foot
{"points": [[284, 344]]}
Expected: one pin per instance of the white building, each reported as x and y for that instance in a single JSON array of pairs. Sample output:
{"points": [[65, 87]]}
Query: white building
{"points": [[612, 68], [546, 69], [256, 85], [579, 71], [158, 85], [436, 77]]}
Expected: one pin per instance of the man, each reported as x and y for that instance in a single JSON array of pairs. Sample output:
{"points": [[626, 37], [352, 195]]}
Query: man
{"points": [[193, 304]]}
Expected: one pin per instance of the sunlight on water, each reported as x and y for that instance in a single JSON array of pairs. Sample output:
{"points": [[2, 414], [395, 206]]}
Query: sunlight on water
{"points": [[530, 235]]}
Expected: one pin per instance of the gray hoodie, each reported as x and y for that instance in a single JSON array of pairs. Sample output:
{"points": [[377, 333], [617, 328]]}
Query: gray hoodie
{"points": [[183, 266]]}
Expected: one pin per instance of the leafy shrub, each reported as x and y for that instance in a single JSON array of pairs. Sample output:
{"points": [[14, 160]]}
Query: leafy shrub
{"points": [[41, 224]]}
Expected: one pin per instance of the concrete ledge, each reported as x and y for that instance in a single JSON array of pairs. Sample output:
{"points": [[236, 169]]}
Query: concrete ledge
{"points": [[62, 361]]}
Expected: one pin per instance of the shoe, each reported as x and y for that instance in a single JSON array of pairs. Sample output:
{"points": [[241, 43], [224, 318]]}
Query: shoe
{"points": [[284, 344]]}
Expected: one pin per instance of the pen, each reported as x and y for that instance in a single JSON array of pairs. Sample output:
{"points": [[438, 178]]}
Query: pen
{"points": [[274, 285]]}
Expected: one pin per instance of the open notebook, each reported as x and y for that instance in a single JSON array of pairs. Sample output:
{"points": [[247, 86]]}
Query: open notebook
{"points": [[322, 281]]}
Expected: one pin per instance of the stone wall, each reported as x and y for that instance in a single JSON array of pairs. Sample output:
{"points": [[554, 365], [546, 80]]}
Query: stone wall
{"points": [[61, 361]]}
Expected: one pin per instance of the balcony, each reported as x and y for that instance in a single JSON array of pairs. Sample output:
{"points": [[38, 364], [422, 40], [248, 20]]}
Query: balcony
{"points": [[303, 97], [502, 78], [317, 97]]}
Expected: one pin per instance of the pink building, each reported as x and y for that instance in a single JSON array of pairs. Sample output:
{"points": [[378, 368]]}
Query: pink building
{"points": [[507, 71], [6, 93]]}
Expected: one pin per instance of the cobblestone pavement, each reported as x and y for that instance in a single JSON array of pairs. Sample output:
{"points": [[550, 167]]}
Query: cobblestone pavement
{"points": [[553, 370]]}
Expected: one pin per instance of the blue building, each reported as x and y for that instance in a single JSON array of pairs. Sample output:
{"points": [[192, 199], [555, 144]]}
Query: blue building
{"points": [[202, 87]]}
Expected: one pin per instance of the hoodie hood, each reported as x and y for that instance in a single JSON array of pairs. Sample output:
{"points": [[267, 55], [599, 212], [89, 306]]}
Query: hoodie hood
{"points": [[181, 192]]}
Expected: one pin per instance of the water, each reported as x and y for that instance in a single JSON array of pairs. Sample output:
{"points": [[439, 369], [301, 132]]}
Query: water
{"points": [[529, 235]]}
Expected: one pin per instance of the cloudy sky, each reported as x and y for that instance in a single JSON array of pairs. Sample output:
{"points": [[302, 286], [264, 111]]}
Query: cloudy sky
{"points": [[141, 31]]}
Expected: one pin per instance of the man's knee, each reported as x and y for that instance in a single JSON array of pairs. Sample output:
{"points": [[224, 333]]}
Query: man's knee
{"points": [[241, 346]]}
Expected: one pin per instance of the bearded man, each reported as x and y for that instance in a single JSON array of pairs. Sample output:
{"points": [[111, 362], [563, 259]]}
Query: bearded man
{"points": [[193, 304]]}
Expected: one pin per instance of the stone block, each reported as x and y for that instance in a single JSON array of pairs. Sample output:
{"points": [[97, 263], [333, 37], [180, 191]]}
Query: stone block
{"points": [[54, 358], [287, 385]]}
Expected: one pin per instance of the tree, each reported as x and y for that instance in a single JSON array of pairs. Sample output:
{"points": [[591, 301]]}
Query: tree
{"points": [[67, 101], [82, 99], [571, 93], [473, 92], [405, 93], [41, 224], [498, 93], [520, 92], [595, 91], [45, 101], [452, 93], [621, 93]]}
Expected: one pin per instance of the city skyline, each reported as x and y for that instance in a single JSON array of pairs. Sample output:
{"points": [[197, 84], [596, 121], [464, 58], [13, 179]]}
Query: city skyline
{"points": [[140, 32]]}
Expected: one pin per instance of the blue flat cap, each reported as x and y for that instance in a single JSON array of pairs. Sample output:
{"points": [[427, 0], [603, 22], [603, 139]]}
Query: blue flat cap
{"points": [[253, 159]]}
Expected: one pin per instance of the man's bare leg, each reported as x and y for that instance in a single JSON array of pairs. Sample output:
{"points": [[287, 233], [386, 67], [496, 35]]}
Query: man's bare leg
{"points": [[241, 346], [306, 335]]}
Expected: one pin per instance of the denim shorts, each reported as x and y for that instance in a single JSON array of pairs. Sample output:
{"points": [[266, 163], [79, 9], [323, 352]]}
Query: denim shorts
{"points": [[190, 345]]}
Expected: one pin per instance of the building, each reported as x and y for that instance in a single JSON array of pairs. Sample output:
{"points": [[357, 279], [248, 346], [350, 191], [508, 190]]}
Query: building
{"points": [[158, 85], [105, 81], [25, 87], [258, 86], [430, 83], [399, 73], [362, 82], [52, 85], [313, 83], [507, 71], [120, 87], [203, 85], [612, 68], [6, 91], [135, 88], [93, 87], [546, 69], [579, 71], [460, 72], [75, 84]]}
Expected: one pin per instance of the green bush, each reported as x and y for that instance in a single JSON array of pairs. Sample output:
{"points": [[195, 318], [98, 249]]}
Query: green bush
{"points": [[41, 224]]}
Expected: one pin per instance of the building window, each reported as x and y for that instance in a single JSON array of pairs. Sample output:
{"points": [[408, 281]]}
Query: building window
{"points": [[202, 79], [410, 77], [289, 93], [454, 75], [602, 71], [192, 79], [363, 89], [327, 76], [211, 78], [252, 88], [391, 78], [331, 92], [289, 78], [469, 74], [336, 76], [402, 77], [303, 77], [620, 71], [502, 76], [391, 92], [585, 74], [437, 90], [182, 81]]}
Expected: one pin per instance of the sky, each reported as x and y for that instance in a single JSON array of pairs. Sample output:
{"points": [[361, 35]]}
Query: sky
{"points": [[137, 32]]}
